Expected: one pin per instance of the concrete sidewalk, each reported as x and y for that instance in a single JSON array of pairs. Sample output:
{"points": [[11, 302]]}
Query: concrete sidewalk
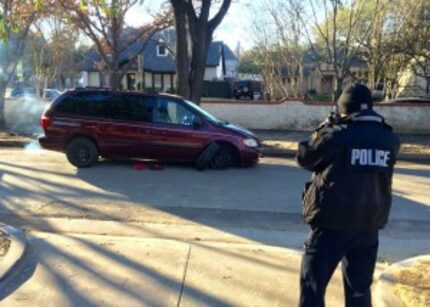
{"points": [[152, 268], [93, 270], [13, 245], [282, 142]]}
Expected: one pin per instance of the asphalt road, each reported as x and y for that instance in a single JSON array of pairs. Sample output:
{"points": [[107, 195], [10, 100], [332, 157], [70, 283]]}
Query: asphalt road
{"points": [[40, 190]]}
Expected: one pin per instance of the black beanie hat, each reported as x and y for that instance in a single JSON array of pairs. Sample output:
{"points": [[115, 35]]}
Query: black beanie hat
{"points": [[354, 98]]}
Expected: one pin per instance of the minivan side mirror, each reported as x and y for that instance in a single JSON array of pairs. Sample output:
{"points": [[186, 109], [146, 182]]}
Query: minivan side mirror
{"points": [[198, 122]]}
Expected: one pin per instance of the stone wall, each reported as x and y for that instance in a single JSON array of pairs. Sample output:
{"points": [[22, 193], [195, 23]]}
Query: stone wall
{"points": [[300, 116]]}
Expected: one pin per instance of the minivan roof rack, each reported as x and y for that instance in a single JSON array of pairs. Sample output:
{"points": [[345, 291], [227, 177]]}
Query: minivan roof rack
{"points": [[93, 87], [151, 92]]}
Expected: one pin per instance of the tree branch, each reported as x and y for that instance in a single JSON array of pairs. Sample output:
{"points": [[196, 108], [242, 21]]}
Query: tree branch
{"points": [[216, 20]]}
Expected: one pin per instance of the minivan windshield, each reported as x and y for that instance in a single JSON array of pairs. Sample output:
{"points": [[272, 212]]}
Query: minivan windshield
{"points": [[205, 113]]}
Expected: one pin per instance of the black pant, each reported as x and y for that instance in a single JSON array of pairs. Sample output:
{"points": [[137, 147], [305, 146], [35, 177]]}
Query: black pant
{"points": [[323, 250]]}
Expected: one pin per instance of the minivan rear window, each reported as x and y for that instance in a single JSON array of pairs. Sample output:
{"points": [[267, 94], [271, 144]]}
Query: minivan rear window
{"points": [[87, 104]]}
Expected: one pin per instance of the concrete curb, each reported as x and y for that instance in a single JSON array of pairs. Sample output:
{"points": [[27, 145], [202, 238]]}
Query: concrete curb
{"points": [[16, 251], [384, 295], [266, 151], [14, 143], [409, 156], [276, 152]]}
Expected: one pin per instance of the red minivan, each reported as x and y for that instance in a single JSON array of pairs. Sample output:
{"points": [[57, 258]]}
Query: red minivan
{"points": [[86, 123]]}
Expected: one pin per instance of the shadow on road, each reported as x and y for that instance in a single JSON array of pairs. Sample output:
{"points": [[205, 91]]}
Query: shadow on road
{"points": [[146, 190], [266, 197]]}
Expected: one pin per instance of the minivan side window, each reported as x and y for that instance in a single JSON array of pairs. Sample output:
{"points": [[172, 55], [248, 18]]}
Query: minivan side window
{"points": [[138, 108], [171, 112], [94, 104]]}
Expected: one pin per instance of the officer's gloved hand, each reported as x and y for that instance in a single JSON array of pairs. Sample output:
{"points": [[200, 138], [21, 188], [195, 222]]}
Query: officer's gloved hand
{"points": [[327, 121], [332, 119]]}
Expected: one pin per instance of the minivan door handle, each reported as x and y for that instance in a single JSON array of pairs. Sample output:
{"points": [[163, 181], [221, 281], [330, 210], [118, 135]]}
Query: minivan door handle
{"points": [[90, 126]]}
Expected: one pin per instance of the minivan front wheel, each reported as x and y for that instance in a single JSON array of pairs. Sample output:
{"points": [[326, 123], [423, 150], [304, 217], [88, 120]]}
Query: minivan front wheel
{"points": [[223, 159], [82, 152]]}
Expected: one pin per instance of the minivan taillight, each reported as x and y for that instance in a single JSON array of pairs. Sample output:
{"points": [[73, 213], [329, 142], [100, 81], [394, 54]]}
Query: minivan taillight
{"points": [[45, 121]]}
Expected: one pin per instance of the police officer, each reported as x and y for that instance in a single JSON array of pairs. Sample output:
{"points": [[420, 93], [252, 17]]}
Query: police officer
{"points": [[348, 199]]}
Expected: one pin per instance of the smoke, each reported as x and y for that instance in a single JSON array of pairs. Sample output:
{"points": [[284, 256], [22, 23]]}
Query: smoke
{"points": [[22, 115], [33, 147]]}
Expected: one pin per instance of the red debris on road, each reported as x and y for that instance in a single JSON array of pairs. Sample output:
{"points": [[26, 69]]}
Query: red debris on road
{"points": [[139, 167]]}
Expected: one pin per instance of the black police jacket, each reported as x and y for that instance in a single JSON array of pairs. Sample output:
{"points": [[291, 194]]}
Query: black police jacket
{"points": [[352, 162]]}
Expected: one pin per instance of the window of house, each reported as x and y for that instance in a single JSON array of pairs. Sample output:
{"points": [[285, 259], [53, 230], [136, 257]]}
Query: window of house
{"points": [[161, 50]]}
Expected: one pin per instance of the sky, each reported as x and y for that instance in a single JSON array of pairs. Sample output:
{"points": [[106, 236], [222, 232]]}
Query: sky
{"points": [[234, 28]]}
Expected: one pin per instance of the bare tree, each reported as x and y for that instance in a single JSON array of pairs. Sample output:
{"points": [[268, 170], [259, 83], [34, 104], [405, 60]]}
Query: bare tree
{"points": [[70, 67], [103, 22], [51, 47], [279, 48], [341, 34], [16, 18], [194, 32], [399, 40], [265, 55], [384, 49], [388, 35], [418, 41]]}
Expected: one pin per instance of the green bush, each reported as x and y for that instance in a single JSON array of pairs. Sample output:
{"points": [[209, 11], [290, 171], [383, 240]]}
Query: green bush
{"points": [[318, 97]]}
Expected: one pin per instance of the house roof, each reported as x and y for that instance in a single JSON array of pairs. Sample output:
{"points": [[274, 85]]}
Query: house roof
{"points": [[310, 57], [152, 62], [214, 54], [161, 64], [90, 60]]}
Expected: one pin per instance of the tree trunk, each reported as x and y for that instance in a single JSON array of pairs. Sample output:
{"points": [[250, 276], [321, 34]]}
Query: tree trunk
{"points": [[427, 86], [116, 81], [337, 89], [371, 77], [113, 80], [3, 85], [182, 56], [391, 92], [45, 86], [38, 86], [200, 28], [198, 64]]}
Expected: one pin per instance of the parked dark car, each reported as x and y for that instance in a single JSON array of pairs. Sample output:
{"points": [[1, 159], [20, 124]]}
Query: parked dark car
{"points": [[51, 93], [88, 123], [246, 88], [22, 91]]}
